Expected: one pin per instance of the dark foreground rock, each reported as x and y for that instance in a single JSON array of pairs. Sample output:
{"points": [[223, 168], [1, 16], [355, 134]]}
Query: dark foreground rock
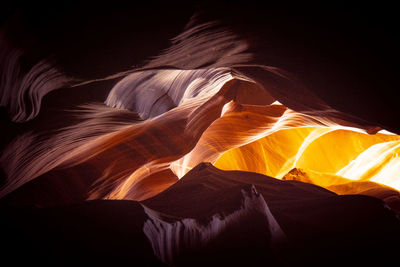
{"points": [[210, 217]]}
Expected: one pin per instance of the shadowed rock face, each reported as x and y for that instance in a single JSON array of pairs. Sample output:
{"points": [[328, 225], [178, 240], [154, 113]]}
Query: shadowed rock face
{"points": [[209, 217], [315, 221], [209, 238]]}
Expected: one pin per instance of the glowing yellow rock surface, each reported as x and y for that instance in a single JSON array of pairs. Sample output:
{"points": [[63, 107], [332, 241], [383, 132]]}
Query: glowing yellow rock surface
{"points": [[329, 155]]}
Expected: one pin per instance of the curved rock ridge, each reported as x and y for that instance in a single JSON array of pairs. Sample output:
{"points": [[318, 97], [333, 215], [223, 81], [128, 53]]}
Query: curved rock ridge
{"points": [[21, 92], [154, 92], [174, 239]]}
